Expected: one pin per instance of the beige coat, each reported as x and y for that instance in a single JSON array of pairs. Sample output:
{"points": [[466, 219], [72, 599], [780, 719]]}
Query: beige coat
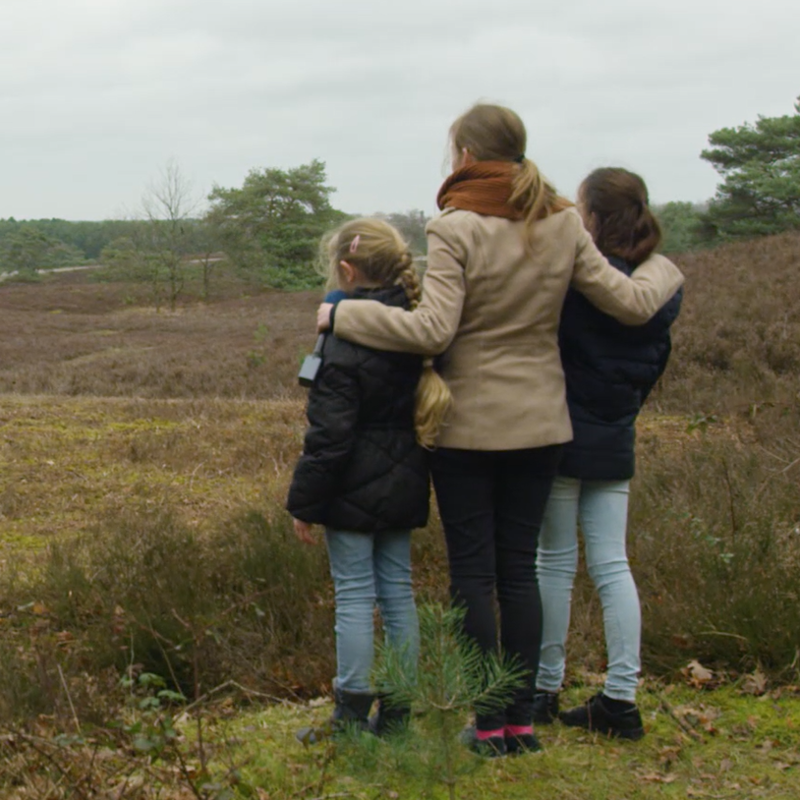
{"points": [[492, 307]]}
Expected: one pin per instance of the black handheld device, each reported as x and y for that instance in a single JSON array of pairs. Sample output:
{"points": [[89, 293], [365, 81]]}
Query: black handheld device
{"points": [[311, 364]]}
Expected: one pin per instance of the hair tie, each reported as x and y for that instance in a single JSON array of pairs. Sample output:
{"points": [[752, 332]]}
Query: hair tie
{"points": [[354, 243], [520, 158]]}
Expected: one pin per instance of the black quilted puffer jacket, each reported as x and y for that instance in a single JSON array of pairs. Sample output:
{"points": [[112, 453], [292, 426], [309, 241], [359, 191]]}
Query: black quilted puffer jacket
{"points": [[361, 468]]}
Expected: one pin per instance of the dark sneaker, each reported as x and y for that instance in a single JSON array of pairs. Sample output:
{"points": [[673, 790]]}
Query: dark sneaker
{"points": [[493, 747], [545, 707], [596, 715], [521, 743]]}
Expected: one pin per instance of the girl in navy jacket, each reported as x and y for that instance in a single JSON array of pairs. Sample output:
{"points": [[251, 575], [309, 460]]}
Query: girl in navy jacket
{"points": [[610, 369]]}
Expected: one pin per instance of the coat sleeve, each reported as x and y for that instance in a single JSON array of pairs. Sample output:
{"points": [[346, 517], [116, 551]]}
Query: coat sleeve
{"points": [[632, 301], [431, 326], [333, 405], [665, 317]]}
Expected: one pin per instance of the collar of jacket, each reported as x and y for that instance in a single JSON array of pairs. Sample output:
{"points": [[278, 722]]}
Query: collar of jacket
{"points": [[389, 295]]}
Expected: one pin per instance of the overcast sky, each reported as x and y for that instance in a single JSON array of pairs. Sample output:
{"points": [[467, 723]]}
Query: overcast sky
{"points": [[97, 95]]}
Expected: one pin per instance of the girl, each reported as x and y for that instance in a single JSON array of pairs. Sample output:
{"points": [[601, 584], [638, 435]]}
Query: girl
{"points": [[610, 369], [364, 469], [501, 257]]}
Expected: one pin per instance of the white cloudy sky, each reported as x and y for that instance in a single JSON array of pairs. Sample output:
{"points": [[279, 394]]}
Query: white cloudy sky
{"points": [[97, 95]]}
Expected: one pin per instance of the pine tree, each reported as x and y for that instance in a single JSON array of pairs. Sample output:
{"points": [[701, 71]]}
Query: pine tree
{"points": [[761, 166]]}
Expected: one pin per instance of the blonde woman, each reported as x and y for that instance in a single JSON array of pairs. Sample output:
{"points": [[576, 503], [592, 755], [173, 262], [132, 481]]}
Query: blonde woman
{"points": [[364, 469], [501, 257]]}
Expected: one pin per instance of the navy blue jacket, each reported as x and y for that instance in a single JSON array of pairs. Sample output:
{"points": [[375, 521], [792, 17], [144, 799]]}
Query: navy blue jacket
{"points": [[610, 369], [361, 468]]}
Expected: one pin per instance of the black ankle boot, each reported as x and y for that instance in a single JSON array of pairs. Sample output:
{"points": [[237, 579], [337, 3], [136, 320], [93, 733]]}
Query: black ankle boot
{"points": [[604, 715], [545, 707], [352, 708], [389, 718], [351, 711]]}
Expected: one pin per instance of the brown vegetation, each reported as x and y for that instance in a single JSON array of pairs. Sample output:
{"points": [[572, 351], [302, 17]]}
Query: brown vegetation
{"points": [[737, 342], [145, 457], [71, 336]]}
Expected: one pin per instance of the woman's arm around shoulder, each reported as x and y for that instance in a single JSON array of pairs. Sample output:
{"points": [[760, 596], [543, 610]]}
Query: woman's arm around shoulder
{"points": [[429, 328], [634, 300]]}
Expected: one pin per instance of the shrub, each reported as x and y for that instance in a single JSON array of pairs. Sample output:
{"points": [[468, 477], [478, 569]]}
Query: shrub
{"points": [[716, 550], [144, 593]]}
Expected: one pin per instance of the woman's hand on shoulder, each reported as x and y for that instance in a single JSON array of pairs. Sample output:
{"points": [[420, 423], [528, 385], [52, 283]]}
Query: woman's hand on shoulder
{"points": [[304, 531], [324, 317]]}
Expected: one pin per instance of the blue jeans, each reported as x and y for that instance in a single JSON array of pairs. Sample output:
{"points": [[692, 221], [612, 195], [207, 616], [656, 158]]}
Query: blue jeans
{"points": [[602, 508], [368, 569]]}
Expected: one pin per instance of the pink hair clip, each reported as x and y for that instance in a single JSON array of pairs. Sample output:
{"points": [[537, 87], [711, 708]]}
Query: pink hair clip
{"points": [[354, 243]]}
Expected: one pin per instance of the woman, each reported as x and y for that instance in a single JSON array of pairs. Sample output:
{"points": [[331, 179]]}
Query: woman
{"points": [[501, 257], [610, 370]]}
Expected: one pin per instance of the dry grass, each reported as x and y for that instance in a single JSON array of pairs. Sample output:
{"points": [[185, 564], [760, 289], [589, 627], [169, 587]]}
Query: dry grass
{"points": [[144, 458], [66, 461], [110, 406], [69, 336], [737, 342]]}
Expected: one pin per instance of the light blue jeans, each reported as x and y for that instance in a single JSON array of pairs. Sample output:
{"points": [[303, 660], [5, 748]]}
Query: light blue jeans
{"points": [[368, 569], [602, 508]]}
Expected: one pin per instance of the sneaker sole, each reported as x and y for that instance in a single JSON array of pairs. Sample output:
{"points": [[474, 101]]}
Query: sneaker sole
{"points": [[632, 734]]}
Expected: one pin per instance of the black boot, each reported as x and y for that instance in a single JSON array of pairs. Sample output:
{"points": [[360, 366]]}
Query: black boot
{"points": [[352, 708], [545, 707], [604, 715], [351, 711], [389, 718]]}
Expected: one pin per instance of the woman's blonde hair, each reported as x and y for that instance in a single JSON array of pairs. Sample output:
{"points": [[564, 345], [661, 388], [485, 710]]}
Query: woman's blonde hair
{"points": [[495, 133], [379, 252]]}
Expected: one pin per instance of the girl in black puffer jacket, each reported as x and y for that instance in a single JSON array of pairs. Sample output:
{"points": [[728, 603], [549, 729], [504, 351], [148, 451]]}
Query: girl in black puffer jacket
{"points": [[610, 369], [364, 469]]}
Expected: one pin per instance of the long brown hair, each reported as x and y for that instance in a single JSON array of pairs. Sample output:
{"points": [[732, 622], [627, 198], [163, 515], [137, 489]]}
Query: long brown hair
{"points": [[495, 133], [379, 252], [617, 205]]}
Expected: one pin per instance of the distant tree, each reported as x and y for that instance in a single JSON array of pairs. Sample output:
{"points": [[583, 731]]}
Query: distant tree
{"points": [[206, 245], [81, 241], [169, 206], [27, 249], [683, 226], [123, 259], [761, 166], [271, 227], [412, 225], [157, 248]]}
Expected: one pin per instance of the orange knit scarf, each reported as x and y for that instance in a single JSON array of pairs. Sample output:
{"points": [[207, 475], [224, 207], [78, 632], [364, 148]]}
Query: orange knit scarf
{"points": [[484, 187]]}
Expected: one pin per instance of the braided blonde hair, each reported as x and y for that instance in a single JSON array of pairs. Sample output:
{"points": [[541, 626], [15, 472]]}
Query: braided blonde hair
{"points": [[379, 252]]}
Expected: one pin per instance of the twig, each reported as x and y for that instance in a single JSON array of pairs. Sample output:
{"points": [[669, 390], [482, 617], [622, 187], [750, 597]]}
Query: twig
{"points": [[159, 638], [723, 633], [227, 685], [731, 500], [62, 771], [200, 746], [194, 472], [769, 480], [185, 772], [688, 729], [69, 699]]}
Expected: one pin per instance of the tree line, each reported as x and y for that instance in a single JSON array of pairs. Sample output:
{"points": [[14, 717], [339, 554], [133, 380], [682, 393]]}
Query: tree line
{"points": [[269, 228]]}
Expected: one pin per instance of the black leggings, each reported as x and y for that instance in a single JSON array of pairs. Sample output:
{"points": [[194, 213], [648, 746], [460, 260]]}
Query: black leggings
{"points": [[492, 504]]}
